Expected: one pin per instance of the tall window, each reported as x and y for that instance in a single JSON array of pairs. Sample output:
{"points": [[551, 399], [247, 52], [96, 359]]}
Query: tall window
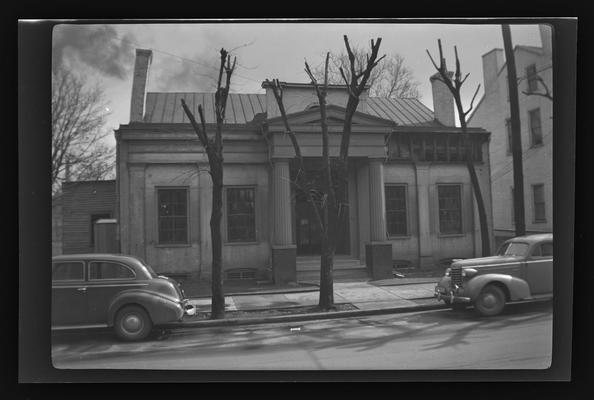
{"points": [[508, 131], [173, 216], [539, 203], [450, 209], [535, 127], [396, 210], [532, 78], [241, 215]]}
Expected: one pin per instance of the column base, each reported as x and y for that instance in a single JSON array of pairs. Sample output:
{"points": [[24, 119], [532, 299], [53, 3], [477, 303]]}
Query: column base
{"points": [[378, 260], [284, 264]]}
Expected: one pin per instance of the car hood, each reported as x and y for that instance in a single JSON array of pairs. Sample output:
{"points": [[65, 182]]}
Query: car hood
{"points": [[484, 261]]}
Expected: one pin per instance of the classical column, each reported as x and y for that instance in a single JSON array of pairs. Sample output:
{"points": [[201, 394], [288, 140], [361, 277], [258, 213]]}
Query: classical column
{"points": [[376, 201], [378, 253], [281, 202], [284, 252], [424, 207]]}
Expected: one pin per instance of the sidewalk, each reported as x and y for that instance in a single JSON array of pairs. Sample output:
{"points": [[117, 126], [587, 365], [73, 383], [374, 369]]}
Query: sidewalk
{"points": [[268, 303]]}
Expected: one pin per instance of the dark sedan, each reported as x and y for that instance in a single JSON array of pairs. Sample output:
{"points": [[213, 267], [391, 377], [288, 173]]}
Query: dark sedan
{"points": [[113, 290]]}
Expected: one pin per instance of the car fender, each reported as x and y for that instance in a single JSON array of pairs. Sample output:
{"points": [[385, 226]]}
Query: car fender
{"points": [[516, 287], [160, 309]]}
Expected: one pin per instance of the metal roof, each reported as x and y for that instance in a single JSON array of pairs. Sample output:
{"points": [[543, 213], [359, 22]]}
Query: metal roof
{"points": [[165, 107]]}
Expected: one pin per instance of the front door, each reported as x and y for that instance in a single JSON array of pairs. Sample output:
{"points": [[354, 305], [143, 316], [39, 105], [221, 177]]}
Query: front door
{"points": [[308, 233], [539, 269], [68, 293]]}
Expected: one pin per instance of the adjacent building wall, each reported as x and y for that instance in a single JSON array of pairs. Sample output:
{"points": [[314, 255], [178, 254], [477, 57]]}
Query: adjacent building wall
{"points": [[80, 200], [491, 114]]}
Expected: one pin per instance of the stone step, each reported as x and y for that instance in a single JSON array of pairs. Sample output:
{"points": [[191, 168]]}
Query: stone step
{"points": [[339, 275], [338, 264]]}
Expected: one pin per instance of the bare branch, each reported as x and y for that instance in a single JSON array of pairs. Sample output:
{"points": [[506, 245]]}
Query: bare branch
{"points": [[199, 132], [472, 101]]}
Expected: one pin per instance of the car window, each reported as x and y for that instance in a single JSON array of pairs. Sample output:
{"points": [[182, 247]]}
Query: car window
{"points": [[99, 270], [68, 271], [513, 249], [543, 250]]}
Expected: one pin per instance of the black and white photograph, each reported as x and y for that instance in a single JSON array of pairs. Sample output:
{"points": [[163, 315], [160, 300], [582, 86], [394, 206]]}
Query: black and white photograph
{"points": [[297, 195]]}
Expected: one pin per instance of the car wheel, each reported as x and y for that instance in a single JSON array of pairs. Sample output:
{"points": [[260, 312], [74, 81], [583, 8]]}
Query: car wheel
{"points": [[132, 323], [490, 301]]}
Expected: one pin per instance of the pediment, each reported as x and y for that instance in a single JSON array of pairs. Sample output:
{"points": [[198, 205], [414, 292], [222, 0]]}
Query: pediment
{"points": [[334, 116]]}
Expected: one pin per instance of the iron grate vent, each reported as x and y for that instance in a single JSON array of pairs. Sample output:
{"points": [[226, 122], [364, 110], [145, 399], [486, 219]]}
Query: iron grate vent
{"points": [[242, 274]]}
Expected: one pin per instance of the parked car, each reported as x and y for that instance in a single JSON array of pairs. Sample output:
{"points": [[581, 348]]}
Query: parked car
{"points": [[522, 269], [113, 290]]}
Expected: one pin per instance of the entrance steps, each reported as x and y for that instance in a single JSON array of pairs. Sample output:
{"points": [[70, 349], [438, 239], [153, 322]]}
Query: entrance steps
{"points": [[344, 268]]}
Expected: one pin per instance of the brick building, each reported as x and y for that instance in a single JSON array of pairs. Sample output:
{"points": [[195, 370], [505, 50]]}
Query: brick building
{"points": [[536, 117], [410, 197]]}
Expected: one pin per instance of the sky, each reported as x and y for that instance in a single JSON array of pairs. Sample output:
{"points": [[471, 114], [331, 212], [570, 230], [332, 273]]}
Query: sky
{"points": [[185, 56]]}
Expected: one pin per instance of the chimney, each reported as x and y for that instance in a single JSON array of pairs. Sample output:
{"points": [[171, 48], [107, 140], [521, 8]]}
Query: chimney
{"points": [[546, 37], [139, 81], [492, 63], [443, 101]]}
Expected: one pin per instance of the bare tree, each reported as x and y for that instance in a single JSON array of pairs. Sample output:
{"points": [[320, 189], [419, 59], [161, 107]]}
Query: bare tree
{"points": [[455, 85], [78, 117], [547, 93], [332, 205], [391, 78], [214, 150]]}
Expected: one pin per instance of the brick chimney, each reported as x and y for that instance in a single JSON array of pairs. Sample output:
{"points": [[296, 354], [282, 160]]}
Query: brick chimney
{"points": [[139, 81], [443, 101], [492, 63]]}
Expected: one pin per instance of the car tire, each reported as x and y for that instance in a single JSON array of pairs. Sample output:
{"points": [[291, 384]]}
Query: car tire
{"points": [[490, 301], [132, 323]]}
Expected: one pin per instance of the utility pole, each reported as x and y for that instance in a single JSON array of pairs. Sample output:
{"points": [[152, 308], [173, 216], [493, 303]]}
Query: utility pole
{"points": [[518, 169]]}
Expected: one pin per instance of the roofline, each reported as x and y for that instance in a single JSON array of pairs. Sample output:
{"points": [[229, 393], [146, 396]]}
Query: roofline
{"points": [[266, 84], [89, 181], [388, 122]]}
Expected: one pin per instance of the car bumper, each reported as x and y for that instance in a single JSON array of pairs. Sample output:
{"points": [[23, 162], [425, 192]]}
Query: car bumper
{"points": [[449, 295], [189, 309]]}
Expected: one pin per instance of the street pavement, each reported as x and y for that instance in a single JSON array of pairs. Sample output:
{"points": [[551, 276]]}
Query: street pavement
{"points": [[519, 338]]}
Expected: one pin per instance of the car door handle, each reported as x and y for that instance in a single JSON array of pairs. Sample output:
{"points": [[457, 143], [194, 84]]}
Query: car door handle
{"points": [[82, 289]]}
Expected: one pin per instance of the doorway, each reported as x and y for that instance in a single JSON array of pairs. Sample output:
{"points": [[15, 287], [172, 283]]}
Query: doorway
{"points": [[308, 233]]}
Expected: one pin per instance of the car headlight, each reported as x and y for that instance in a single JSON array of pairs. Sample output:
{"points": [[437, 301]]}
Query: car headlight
{"points": [[469, 272], [447, 271]]}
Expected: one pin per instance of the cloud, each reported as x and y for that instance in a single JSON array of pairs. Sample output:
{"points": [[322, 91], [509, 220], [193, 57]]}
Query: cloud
{"points": [[97, 46], [185, 75]]}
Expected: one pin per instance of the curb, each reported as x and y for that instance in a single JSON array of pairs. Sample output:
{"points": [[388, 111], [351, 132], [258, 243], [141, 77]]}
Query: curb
{"points": [[263, 292], [304, 317]]}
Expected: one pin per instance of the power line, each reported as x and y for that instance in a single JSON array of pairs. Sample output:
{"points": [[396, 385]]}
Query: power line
{"points": [[189, 60]]}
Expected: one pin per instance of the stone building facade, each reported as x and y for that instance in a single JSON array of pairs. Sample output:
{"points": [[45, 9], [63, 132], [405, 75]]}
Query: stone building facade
{"points": [[409, 194], [536, 118]]}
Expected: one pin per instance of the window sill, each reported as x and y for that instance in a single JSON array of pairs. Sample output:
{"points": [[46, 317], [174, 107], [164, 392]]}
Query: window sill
{"points": [[451, 235], [174, 245], [542, 221], [399, 237], [240, 243]]}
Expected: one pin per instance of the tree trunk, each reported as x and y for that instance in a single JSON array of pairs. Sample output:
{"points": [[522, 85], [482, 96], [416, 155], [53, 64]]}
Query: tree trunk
{"points": [[218, 297], [519, 212], [480, 203]]}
